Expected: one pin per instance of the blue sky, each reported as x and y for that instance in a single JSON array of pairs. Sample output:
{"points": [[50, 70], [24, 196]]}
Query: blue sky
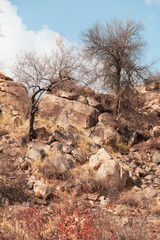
{"points": [[36, 20]]}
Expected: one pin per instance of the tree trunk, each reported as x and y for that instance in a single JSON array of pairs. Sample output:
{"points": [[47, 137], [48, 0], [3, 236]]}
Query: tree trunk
{"points": [[31, 132], [118, 91]]}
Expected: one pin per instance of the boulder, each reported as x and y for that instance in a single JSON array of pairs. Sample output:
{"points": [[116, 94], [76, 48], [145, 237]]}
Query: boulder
{"points": [[14, 95], [107, 119], [64, 137], [68, 95], [94, 103], [63, 163], [68, 112], [102, 134], [35, 154], [36, 151], [79, 156], [107, 170], [96, 159], [59, 148], [82, 99], [39, 145]]}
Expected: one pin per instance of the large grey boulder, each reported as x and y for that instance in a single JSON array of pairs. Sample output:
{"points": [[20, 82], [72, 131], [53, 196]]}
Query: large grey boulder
{"points": [[107, 170], [68, 112]]}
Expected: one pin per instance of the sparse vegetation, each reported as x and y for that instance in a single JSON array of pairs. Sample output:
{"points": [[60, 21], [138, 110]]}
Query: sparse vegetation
{"points": [[69, 182]]}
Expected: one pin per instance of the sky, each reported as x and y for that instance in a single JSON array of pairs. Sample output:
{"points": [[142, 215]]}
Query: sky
{"points": [[30, 24]]}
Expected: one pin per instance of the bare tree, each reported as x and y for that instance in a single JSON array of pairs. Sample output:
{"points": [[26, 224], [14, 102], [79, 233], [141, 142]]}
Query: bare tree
{"points": [[43, 73], [117, 49]]}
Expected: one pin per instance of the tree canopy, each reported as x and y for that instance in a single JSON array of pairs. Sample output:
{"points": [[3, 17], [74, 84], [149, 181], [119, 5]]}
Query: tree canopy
{"points": [[117, 48]]}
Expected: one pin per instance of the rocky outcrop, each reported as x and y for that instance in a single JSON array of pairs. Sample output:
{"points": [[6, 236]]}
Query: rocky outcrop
{"points": [[68, 112], [13, 95]]}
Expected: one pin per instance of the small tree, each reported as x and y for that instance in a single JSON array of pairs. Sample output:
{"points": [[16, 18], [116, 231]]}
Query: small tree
{"points": [[117, 50], [43, 73]]}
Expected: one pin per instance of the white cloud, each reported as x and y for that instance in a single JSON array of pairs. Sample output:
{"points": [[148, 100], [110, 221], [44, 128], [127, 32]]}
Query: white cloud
{"points": [[150, 2], [17, 38]]}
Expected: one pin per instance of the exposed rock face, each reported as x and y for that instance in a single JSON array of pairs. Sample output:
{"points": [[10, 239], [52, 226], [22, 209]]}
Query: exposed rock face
{"points": [[68, 112], [13, 94]]}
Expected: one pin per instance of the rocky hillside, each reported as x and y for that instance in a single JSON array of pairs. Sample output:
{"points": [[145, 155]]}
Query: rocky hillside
{"points": [[88, 174]]}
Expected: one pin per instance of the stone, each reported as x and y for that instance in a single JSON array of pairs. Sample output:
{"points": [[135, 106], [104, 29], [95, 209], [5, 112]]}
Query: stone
{"points": [[108, 119], [64, 137], [82, 99], [156, 157], [104, 201], [96, 159], [140, 172], [56, 148], [25, 165], [41, 133], [15, 112], [149, 177], [157, 181], [15, 93], [68, 95], [102, 134], [35, 153], [79, 156], [150, 192], [94, 103], [63, 163], [156, 131], [37, 145], [108, 173], [31, 182], [66, 112], [157, 173], [17, 121], [67, 148], [42, 189], [107, 170]]}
